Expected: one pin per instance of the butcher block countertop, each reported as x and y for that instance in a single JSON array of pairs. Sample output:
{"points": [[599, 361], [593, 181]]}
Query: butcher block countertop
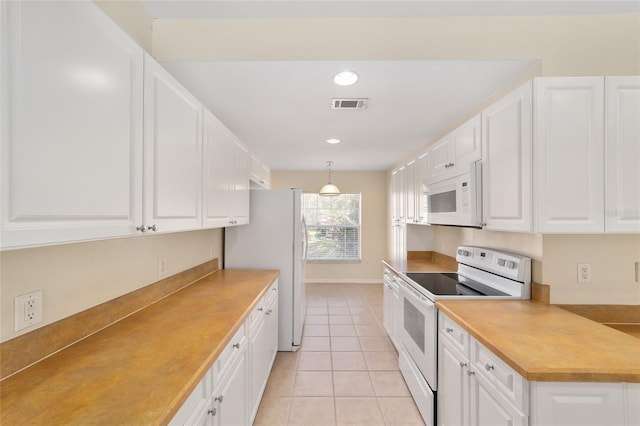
{"points": [[141, 369], [546, 343]]}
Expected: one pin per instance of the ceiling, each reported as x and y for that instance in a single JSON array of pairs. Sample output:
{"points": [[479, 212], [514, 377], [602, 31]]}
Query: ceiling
{"points": [[282, 111]]}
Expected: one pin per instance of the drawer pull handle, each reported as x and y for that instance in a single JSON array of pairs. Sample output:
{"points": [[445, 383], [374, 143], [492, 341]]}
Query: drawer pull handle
{"points": [[470, 373], [261, 309], [237, 346], [213, 411], [219, 399], [489, 367], [463, 364], [449, 330]]}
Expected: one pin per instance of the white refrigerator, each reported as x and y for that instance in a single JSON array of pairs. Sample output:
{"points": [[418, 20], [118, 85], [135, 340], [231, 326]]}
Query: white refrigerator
{"points": [[275, 238]]}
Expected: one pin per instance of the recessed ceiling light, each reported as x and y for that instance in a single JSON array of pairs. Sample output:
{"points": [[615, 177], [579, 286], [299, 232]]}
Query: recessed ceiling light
{"points": [[345, 78], [333, 141]]}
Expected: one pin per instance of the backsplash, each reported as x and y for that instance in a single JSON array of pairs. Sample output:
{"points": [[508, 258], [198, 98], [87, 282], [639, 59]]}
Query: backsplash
{"points": [[555, 258]]}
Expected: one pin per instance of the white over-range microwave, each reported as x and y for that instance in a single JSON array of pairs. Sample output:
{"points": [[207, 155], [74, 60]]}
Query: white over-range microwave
{"points": [[456, 200]]}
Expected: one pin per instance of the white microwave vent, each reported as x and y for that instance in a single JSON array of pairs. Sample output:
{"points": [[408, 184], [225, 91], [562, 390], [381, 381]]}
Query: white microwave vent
{"points": [[349, 103]]}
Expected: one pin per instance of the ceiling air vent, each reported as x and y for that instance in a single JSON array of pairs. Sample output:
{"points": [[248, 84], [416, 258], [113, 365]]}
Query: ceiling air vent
{"points": [[349, 103]]}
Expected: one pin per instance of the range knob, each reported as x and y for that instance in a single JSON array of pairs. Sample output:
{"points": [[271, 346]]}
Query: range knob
{"points": [[501, 262], [510, 264], [463, 252]]}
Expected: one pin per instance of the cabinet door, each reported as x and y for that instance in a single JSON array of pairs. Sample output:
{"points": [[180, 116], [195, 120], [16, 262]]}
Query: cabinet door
{"points": [[585, 404], [258, 364], [422, 172], [569, 142], [400, 191], [488, 408], [399, 247], [395, 314], [466, 142], [196, 409], [632, 410], [452, 385], [410, 193], [623, 154], [231, 398], [440, 156], [172, 152], [507, 163], [240, 204], [387, 304], [218, 162], [71, 145]]}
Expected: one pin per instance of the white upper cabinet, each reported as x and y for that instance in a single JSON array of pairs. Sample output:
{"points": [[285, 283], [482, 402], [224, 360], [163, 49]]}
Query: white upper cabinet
{"points": [[569, 146], [71, 123], [172, 153], [449, 156], [240, 203], [622, 154], [260, 173], [226, 176], [440, 156], [410, 191], [507, 162], [423, 171]]}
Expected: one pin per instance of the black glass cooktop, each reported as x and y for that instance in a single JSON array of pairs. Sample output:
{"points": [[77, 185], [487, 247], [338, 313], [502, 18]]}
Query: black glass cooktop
{"points": [[451, 284]]}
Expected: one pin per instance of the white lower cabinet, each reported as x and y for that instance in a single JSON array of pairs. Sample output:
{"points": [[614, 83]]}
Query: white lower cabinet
{"points": [[475, 387], [229, 394], [584, 404], [471, 386], [263, 346], [391, 308]]}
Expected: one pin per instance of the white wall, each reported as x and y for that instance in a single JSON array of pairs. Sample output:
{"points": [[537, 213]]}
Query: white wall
{"points": [[612, 259], [373, 228], [132, 17], [75, 277], [568, 45]]}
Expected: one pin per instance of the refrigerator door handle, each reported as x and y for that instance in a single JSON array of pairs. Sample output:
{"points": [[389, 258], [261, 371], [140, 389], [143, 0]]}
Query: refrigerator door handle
{"points": [[304, 240]]}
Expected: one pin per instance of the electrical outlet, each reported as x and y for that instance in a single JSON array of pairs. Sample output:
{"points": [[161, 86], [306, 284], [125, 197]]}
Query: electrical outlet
{"points": [[584, 272], [162, 266], [28, 310]]}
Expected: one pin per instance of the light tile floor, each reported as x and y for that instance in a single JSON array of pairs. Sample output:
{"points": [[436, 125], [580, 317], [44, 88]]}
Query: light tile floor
{"points": [[346, 372]]}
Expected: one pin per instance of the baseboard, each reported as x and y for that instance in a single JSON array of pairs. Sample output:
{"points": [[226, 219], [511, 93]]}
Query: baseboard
{"points": [[344, 281]]}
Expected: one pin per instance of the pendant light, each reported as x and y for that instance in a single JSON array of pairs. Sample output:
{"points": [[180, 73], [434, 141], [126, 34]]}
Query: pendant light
{"points": [[329, 189]]}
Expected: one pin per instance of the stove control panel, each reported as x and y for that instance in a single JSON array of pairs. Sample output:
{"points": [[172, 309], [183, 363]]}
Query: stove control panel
{"points": [[506, 264]]}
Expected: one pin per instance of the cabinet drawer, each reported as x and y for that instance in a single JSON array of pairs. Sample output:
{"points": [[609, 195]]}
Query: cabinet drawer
{"points": [[237, 342], [271, 294], [453, 333], [508, 382]]}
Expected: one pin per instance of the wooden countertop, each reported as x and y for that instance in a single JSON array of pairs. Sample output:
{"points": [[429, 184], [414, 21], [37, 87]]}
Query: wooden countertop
{"points": [[141, 369], [546, 343]]}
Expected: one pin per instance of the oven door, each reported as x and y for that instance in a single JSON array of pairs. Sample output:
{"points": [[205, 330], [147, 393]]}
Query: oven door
{"points": [[418, 327]]}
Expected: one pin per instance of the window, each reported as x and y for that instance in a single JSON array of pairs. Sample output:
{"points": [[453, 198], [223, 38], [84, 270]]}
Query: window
{"points": [[333, 227]]}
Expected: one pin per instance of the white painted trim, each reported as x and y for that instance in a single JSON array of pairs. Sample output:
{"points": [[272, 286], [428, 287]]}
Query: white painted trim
{"points": [[343, 281]]}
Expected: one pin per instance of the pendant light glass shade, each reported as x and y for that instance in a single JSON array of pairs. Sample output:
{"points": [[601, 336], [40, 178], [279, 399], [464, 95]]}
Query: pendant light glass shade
{"points": [[329, 189]]}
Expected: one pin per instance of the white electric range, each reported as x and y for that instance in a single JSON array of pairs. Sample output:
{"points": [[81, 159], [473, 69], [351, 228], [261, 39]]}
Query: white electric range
{"points": [[482, 273]]}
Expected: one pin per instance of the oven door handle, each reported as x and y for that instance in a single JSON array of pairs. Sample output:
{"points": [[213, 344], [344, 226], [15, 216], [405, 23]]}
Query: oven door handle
{"points": [[414, 295]]}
